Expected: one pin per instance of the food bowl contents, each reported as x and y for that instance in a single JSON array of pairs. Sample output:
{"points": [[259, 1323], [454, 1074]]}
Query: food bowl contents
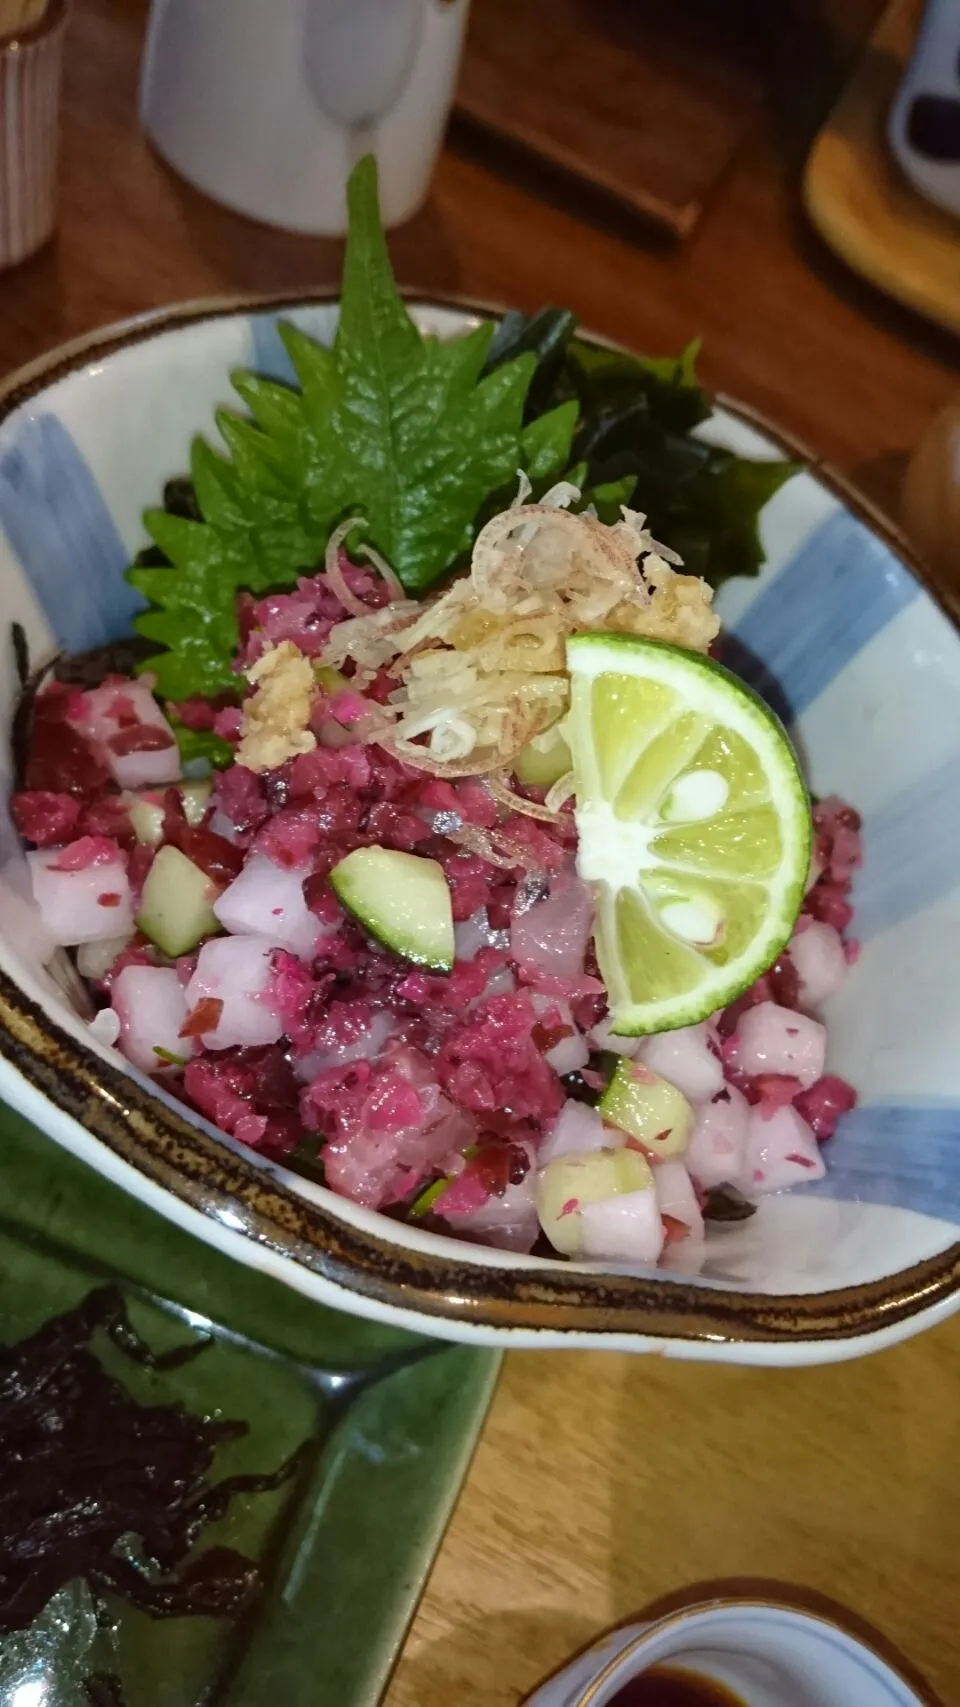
{"points": [[364, 947], [496, 902], [101, 1487]]}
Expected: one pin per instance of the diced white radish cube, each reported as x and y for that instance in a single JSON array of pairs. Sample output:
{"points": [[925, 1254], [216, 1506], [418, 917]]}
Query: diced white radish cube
{"points": [[94, 959], [508, 1222], [118, 716], [686, 1059], [577, 1129], [266, 900], [105, 1027], [81, 906], [570, 1053], [151, 1005], [603, 1037], [821, 964], [676, 1196], [223, 826], [781, 1151], [627, 1228], [771, 1039], [717, 1151], [237, 972], [145, 769]]}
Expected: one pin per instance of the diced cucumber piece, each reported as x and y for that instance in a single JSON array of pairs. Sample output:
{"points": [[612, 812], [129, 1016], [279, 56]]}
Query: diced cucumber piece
{"points": [[146, 810], [175, 912], [544, 760], [402, 900], [94, 959], [647, 1108], [146, 816], [331, 681], [569, 1183], [196, 799]]}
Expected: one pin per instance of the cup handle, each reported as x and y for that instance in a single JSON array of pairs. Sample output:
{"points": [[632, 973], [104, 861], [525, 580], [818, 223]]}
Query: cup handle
{"points": [[923, 127], [358, 56]]}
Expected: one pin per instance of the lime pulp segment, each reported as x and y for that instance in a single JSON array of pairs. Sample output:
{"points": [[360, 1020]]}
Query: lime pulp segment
{"points": [[694, 827]]}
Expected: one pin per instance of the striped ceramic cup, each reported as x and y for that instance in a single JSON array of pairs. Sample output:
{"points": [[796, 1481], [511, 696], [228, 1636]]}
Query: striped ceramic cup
{"points": [[30, 64]]}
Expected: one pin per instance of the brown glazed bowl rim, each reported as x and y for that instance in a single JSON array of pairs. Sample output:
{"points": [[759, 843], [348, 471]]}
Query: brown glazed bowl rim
{"points": [[447, 1294]]}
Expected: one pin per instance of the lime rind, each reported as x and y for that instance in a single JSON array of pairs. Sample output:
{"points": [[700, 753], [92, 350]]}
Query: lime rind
{"points": [[688, 986]]}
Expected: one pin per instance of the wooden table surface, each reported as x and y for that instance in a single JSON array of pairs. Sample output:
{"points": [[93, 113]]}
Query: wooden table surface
{"points": [[601, 1481]]}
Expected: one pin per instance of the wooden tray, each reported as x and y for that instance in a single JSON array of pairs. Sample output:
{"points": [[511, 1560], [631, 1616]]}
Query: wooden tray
{"points": [[860, 201], [647, 103]]}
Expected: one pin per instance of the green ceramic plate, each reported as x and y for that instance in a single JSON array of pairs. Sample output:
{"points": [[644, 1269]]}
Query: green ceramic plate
{"points": [[344, 1550]]}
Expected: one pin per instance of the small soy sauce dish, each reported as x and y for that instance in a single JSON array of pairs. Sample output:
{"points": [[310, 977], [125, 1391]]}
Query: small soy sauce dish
{"points": [[730, 1654]]}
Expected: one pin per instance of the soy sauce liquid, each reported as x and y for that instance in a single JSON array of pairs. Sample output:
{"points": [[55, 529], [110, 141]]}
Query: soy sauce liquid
{"points": [[672, 1686]]}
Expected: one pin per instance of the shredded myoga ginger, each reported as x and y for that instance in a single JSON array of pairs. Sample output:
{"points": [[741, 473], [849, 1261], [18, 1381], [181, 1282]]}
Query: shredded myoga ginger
{"points": [[276, 717], [480, 669]]}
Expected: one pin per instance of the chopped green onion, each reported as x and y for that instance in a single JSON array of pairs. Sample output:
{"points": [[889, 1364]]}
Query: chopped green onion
{"points": [[171, 1059]]}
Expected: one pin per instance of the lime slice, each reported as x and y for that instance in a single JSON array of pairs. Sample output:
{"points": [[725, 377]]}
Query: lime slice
{"points": [[694, 827]]}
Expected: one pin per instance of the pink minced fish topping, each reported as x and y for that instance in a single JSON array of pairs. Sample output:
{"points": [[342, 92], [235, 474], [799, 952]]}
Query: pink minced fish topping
{"points": [[309, 1039]]}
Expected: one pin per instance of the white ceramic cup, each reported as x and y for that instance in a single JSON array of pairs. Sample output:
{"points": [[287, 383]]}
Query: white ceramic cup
{"points": [[767, 1655], [266, 104], [924, 122]]}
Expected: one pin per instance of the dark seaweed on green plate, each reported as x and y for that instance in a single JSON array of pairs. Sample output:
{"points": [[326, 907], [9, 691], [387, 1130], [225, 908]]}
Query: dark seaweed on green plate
{"points": [[88, 1469], [342, 1548]]}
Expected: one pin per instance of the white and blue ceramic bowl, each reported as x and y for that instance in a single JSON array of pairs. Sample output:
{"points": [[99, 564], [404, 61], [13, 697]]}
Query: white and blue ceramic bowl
{"points": [[868, 666]]}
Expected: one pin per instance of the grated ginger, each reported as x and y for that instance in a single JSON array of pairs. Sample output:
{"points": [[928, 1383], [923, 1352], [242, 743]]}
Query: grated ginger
{"points": [[275, 722], [481, 668]]}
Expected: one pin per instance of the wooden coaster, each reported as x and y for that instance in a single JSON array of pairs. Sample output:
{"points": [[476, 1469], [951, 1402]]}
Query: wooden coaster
{"points": [[647, 103], [859, 199]]}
